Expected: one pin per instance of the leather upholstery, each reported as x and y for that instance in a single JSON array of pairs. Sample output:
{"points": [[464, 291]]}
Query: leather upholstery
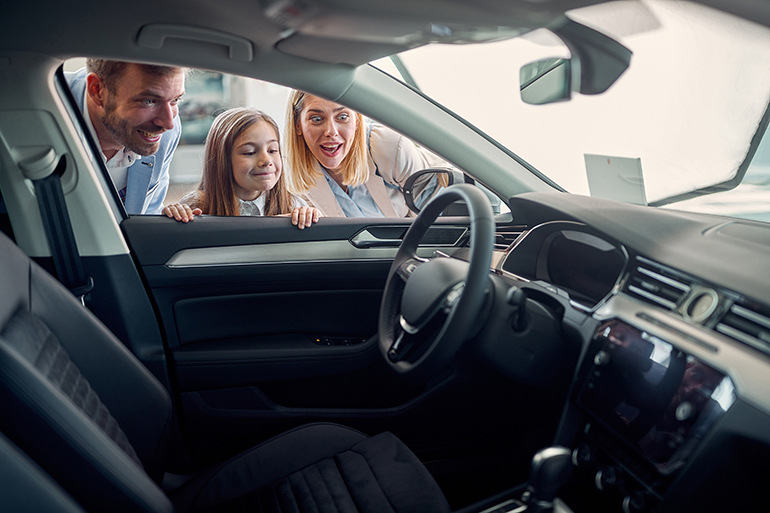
{"points": [[85, 409]]}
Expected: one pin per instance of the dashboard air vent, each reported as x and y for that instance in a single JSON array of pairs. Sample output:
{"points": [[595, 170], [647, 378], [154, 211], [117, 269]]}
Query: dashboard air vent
{"points": [[506, 235], [656, 284], [748, 324]]}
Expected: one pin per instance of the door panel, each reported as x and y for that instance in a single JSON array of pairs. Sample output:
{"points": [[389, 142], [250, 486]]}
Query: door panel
{"points": [[267, 326]]}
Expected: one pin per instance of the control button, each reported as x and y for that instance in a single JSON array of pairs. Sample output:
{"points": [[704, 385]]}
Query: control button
{"points": [[602, 358], [453, 296], [684, 411], [635, 502], [583, 456], [606, 479]]}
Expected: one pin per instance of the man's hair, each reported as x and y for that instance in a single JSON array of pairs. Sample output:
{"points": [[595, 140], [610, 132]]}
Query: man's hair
{"points": [[112, 71]]}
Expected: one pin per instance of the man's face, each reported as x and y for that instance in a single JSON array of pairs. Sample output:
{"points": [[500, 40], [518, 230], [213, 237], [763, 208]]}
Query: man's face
{"points": [[140, 108]]}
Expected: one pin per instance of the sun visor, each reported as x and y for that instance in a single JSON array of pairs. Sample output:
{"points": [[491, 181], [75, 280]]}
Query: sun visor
{"points": [[336, 51]]}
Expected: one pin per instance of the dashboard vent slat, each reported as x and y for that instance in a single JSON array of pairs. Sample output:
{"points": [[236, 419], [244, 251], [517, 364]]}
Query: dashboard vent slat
{"points": [[657, 285], [506, 235], [748, 325]]}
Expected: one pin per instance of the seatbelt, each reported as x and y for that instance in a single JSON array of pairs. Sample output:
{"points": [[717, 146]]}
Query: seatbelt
{"points": [[58, 231]]}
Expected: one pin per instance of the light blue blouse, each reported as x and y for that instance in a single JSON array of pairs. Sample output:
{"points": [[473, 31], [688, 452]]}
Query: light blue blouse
{"points": [[357, 202]]}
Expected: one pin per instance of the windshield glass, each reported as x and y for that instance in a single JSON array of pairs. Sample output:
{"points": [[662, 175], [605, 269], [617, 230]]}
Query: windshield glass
{"points": [[680, 119]]}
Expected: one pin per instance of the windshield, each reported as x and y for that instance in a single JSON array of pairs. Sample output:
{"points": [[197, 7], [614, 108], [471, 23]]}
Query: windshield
{"points": [[681, 118]]}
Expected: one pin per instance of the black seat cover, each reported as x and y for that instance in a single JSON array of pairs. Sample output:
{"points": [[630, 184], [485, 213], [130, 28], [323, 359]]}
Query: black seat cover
{"points": [[96, 421]]}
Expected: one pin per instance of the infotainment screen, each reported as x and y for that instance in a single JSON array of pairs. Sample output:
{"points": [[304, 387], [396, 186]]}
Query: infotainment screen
{"points": [[659, 400]]}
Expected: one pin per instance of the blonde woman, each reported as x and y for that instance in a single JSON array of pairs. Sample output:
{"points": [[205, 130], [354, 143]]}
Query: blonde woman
{"points": [[345, 166]]}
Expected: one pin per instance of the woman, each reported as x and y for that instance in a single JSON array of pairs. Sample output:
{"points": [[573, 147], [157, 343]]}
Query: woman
{"points": [[344, 166], [242, 173]]}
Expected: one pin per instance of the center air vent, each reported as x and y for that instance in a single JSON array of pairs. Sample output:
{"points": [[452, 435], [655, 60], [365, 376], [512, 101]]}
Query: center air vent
{"points": [[748, 324], [656, 284]]}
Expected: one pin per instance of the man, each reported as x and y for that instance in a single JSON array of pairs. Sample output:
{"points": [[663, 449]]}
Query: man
{"points": [[133, 111]]}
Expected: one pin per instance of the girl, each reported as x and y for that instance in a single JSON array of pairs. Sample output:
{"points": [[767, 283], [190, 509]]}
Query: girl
{"points": [[242, 173]]}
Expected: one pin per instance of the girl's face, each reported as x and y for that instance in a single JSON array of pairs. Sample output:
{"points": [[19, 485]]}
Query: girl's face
{"points": [[256, 159], [328, 129]]}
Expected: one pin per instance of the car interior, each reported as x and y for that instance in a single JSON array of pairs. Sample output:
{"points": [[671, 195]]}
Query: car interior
{"points": [[542, 351]]}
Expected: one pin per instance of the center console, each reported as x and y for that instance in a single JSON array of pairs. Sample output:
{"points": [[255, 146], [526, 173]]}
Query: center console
{"points": [[646, 406], [640, 409]]}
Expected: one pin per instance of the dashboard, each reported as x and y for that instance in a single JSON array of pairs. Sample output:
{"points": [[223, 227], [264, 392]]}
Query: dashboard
{"points": [[674, 366]]}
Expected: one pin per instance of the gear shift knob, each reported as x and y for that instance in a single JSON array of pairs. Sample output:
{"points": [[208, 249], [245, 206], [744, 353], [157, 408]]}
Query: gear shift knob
{"points": [[550, 469]]}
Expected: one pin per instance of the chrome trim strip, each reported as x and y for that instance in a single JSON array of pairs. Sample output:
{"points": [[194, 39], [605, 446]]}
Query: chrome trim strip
{"points": [[284, 253]]}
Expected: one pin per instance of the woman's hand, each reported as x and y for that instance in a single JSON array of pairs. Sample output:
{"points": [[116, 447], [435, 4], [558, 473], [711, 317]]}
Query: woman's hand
{"points": [[302, 217], [182, 212]]}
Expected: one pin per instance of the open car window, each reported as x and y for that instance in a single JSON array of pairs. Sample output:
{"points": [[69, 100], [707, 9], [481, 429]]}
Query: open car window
{"points": [[208, 94]]}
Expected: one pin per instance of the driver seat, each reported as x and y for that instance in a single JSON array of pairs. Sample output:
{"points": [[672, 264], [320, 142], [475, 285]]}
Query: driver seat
{"points": [[86, 410]]}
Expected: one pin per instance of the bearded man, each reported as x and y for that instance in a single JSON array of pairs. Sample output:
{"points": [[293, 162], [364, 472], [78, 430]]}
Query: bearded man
{"points": [[132, 110]]}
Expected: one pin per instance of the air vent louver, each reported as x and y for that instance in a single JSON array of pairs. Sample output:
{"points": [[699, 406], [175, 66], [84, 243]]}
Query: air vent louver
{"points": [[747, 324], [657, 285], [506, 235]]}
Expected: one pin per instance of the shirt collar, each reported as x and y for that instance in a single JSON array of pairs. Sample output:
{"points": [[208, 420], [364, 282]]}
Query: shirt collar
{"points": [[255, 207]]}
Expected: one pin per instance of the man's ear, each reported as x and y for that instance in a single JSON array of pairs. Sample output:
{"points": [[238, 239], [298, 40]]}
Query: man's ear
{"points": [[95, 89]]}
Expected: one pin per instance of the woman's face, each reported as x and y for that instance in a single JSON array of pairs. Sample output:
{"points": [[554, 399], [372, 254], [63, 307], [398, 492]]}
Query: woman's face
{"points": [[328, 129], [256, 159]]}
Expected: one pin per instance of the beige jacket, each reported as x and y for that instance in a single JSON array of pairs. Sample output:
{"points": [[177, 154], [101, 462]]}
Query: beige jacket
{"points": [[392, 158]]}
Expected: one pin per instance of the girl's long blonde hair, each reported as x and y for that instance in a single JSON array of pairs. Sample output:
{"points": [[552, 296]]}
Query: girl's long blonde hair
{"points": [[302, 173], [217, 191]]}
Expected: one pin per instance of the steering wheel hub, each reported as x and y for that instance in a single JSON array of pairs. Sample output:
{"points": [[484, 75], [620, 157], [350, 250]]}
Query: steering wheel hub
{"points": [[429, 288]]}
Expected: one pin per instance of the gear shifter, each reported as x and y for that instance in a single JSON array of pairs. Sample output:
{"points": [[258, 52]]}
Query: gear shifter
{"points": [[550, 469]]}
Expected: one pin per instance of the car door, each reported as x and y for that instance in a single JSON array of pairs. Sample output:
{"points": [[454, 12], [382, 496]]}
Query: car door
{"points": [[266, 326]]}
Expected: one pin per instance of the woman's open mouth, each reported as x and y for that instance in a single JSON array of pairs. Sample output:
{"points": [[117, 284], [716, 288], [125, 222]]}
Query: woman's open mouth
{"points": [[331, 150]]}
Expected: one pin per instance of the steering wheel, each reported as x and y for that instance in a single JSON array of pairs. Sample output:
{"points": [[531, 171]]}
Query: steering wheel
{"points": [[431, 306]]}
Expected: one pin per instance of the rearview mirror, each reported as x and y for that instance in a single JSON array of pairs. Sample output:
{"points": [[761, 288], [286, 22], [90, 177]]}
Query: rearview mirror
{"points": [[597, 61], [545, 81]]}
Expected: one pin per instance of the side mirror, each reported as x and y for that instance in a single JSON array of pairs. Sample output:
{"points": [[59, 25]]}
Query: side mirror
{"points": [[596, 63], [423, 185]]}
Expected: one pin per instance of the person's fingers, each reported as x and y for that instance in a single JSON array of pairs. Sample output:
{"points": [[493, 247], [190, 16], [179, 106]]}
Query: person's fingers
{"points": [[303, 221], [295, 216], [181, 212], [187, 214]]}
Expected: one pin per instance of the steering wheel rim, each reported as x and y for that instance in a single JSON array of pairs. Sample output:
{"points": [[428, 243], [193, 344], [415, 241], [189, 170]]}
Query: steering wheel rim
{"points": [[461, 309]]}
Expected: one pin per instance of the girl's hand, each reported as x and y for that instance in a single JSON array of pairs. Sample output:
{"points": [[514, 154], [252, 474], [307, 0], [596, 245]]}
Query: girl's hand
{"points": [[304, 216], [182, 212]]}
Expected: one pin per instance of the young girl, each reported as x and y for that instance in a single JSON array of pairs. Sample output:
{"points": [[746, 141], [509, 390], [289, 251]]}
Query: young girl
{"points": [[242, 173]]}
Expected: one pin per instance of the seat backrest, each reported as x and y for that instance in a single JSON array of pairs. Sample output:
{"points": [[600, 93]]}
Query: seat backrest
{"points": [[25, 487], [73, 397]]}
